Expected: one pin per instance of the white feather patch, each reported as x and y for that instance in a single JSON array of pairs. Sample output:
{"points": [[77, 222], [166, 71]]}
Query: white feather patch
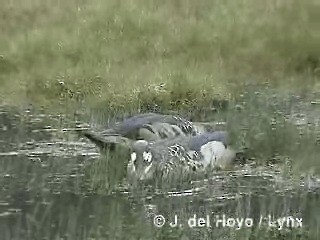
{"points": [[147, 156], [212, 152], [131, 168], [133, 156], [147, 169]]}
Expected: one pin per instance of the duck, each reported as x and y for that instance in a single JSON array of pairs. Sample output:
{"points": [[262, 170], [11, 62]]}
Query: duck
{"points": [[180, 155], [148, 127]]}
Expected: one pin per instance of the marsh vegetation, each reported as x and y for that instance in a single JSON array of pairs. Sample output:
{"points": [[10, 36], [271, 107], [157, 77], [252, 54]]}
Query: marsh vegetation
{"points": [[252, 67]]}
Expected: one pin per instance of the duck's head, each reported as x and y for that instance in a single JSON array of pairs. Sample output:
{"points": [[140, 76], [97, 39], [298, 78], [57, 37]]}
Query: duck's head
{"points": [[141, 165]]}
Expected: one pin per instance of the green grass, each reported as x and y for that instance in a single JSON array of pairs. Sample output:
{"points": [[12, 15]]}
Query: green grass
{"points": [[261, 122], [181, 55], [116, 52]]}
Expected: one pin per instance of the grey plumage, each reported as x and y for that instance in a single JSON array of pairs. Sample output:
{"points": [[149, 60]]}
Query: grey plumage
{"points": [[184, 153], [147, 126], [198, 141], [130, 125], [161, 145]]}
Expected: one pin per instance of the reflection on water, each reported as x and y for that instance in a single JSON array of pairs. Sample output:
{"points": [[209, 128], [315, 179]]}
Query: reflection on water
{"points": [[46, 194]]}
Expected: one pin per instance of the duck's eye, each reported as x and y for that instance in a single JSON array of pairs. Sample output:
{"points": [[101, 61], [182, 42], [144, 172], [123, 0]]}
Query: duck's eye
{"points": [[133, 157], [147, 156]]}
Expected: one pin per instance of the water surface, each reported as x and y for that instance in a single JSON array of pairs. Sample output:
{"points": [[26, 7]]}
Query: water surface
{"points": [[48, 191]]}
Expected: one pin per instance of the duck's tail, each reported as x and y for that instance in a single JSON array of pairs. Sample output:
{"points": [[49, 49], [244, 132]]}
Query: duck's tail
{"points": [[106, 141]]}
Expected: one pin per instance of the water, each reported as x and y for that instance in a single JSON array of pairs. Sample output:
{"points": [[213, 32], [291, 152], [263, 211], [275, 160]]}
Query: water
{"points": [[49, 191]]}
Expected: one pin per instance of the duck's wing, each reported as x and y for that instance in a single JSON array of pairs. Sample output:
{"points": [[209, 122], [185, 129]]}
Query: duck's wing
{"points": [[159, 125], [142, 126], [161, 130], [171, 149], [135, 122], [196, 142]]}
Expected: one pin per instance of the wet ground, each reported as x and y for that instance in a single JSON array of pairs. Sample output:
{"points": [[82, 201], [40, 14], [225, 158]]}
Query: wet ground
{"points": [[47, 192]]}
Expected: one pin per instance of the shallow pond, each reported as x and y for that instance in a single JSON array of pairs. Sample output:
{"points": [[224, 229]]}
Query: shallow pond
{"points": [[47, 192]]}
